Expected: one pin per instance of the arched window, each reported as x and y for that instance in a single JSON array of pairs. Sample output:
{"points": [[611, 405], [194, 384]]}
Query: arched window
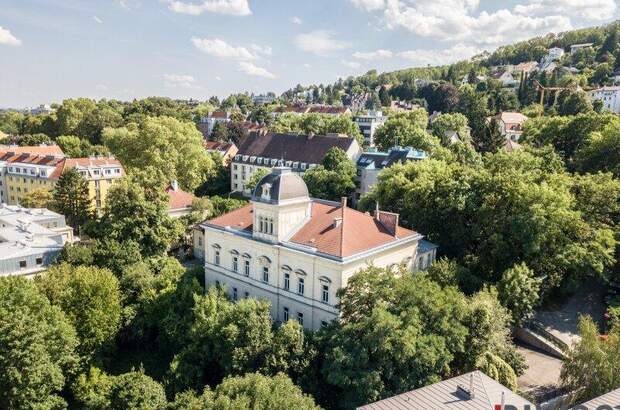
{"points": [[216, 254]]}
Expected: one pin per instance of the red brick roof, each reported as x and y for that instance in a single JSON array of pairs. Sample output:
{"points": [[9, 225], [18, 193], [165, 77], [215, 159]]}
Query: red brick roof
{"points": [[35, 159], [218, 114], [328, 109], [178, 199], [358, 232]]}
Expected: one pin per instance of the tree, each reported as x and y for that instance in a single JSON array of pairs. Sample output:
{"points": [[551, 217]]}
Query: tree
{"points": [[443, 97], [71, 198], [519, 290], [450, 122], [256, 178], [591, 367], [70, 145], [601, 152], [137, 211], [255, 391], [137, 391], [222, 205], [384, 97], [406, 129], [34, 140], [37, 347], [164, 145], [474, 106], [491, 139], [37, 198], [334, 179], [218, 182], [90, 298], [573, 102]]}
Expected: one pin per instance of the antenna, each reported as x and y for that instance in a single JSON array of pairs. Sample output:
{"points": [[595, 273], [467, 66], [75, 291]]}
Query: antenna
{"points": [[471, 386], [503, 400]]}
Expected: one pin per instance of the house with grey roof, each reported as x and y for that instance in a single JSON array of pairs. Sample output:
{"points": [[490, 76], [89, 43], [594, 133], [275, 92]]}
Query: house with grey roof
{"points": [[609, 400], [470, 391], [259, 150], [30, 239], [372, 162]]}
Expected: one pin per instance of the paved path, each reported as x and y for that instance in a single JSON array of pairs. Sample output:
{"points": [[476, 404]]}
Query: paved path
{"points": [[561, 320], [542, 375]]}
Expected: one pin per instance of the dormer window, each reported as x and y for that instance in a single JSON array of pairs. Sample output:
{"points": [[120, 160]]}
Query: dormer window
{"points": [[266, 194]]}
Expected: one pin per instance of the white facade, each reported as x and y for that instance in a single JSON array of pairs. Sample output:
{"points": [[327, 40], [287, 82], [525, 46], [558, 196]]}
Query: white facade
{"points": [[610, 96], [214, 118], [368, 125]]}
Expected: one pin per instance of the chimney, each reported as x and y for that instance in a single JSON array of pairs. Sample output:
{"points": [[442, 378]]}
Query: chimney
{"points": [[389, 220], [467, 392], [343, 202], [337, 221], [175, 185]]}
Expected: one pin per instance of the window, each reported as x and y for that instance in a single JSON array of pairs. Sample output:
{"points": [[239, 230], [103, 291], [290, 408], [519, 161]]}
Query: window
{"points": [[234, 293], [261, 224], [325, 294], [265, 274], [287, 281], [39, 260], [217, 257], [246, 268], [285, 315], [300, 318], [301, 286], [22, 264], [323, 323], [200, 241], [421, 263], [235, 264], [247, 295]]}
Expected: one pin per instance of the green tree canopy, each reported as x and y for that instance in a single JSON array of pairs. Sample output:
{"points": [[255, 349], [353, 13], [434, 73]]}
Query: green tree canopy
{"points": [[71, 198], [334, 178], [37, 347], [406, 129]]}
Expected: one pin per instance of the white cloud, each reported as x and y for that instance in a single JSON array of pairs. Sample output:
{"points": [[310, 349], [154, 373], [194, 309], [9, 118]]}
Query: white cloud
{"points": [[101, 87], [319, 42], [231, 7], [369, 5], [252, 69], [439, 57], [266, 50], [296, 20], [8, 39], [129, 4], [221, 49], [97, 20], [351, 64], [373, 55], [178, 81], [218, 78], [465, 21], [307, 65]]}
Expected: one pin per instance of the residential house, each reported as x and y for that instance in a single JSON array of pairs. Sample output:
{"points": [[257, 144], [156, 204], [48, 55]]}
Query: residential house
{"points": [[469, 391], [329, 110], [610, 96], [526, 67], [505, 77], [296, 252], [400, 106], [42, 109], [299, 152], [24, 169], [30, 239], [479, 78], [368, 124], [554, 54], [263, 99], [576, 47], [511, 124], [209, 122], [226, 149], [290, 109], [372, 162], [179, 201]]}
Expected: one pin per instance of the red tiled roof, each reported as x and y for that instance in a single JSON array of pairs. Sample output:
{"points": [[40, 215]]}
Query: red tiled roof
{"points": [[35, 159], [218, 114], [34, 149], [178, 199], [299, 109], [217, 146], [512, 117], [327, 109], [358, 232]]}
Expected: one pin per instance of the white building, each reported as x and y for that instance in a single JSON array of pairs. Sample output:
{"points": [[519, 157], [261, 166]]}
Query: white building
{"points": [[30, 239], [511, 124], [505, 77], [610, 96], [576, 47], [554, 54], [296, 252], [212, 119], [368, 124], [263, 99], [298, 152]]}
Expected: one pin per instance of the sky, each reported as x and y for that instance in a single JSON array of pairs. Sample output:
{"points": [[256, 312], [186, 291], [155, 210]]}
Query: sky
{"points": [[125, 49]]}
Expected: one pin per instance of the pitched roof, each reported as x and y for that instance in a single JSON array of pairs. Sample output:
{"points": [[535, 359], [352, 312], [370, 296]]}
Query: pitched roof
{"points": [[357, 232], [608, 399], [380, 160], [217, 146], [34, 149], [35, 159], [178, 199], [298, 109], [219, 114], [292, 147], [445, 395], [512, 117], [328, 109], [93, 162]]}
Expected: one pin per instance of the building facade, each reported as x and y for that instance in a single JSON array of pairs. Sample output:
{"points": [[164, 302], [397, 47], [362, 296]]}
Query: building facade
{"points": [[368, 124], [24, 169], [610, 96], [298, 152], [296, 252], [511, 124], [207, 123], [30, 239]]}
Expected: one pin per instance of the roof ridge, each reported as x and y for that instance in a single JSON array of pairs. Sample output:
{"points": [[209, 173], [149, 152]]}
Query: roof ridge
{"points": [[481, 380], [343, 206]]}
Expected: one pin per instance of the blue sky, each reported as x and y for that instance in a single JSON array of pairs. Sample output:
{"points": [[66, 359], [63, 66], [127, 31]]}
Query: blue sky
{"points": [[125, 49]]}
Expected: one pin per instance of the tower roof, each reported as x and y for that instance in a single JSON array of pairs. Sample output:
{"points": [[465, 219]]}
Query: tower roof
{"points": [[280, 185]]}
